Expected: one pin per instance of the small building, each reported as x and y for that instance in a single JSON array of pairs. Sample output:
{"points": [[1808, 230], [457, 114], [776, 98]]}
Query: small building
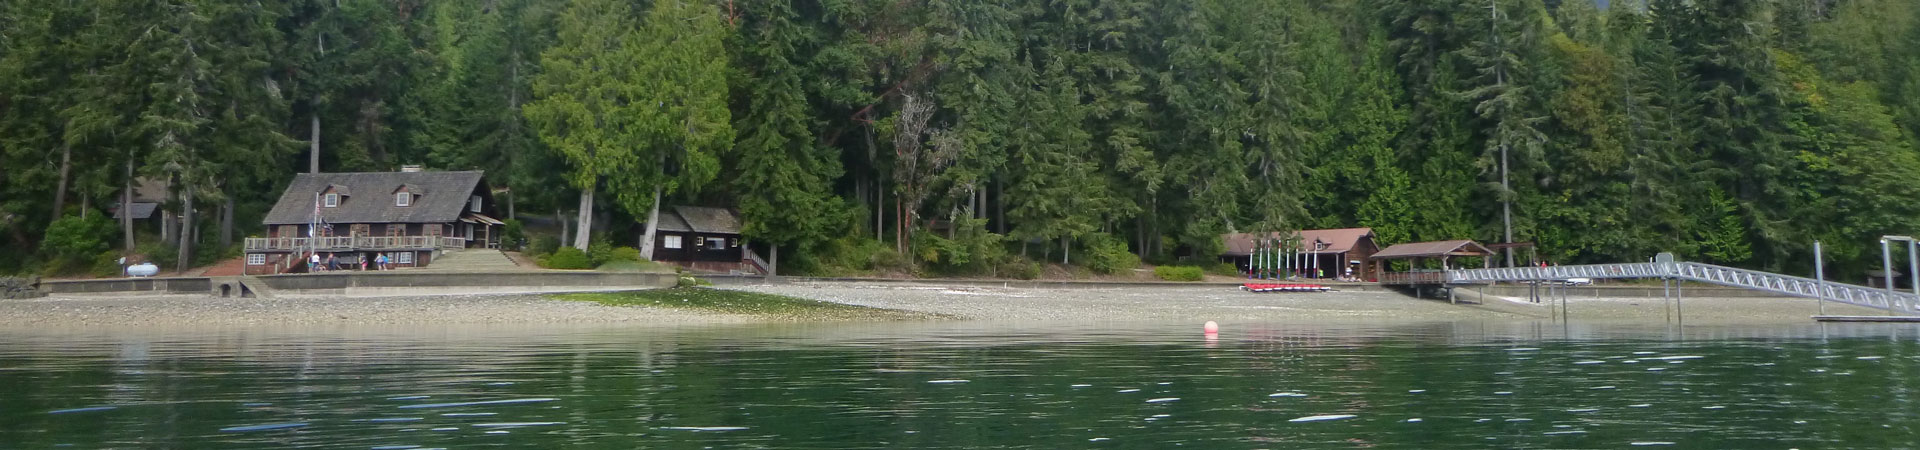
{"points": [[1309, 253], [408, 216], [1428, 261], [148, 194], [702, 238]]}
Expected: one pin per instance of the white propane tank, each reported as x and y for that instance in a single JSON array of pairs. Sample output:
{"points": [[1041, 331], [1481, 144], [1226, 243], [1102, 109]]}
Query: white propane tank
{"points": [[143, 270]]}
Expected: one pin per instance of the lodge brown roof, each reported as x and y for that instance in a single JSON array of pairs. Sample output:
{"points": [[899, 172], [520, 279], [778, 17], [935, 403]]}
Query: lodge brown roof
{"points": [[699, 219], [1337, 240], [440, 197]]}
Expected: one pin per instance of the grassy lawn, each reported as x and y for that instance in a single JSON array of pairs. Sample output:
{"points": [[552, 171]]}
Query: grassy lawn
{"points": [[721, 301]]}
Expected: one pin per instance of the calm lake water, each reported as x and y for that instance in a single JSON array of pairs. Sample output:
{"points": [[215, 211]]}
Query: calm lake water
{"points": [[967, 385]]}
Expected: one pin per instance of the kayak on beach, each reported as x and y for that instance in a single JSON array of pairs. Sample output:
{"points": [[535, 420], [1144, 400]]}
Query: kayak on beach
{"points": [[1256, 287]]}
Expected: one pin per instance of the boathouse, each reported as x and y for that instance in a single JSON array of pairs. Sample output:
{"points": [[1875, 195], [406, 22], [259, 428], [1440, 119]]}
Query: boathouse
{"points": [[1307, 253], [1427, 262]]}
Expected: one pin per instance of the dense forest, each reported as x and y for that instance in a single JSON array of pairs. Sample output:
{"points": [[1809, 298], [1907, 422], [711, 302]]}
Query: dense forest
{"points": [[966, 136]]}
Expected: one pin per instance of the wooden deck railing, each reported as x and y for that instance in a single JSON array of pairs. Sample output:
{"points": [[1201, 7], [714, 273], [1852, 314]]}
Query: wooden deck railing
{"points": [[341, 243]]}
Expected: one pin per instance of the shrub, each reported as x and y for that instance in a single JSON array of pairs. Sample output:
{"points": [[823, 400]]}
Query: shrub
{"points": [[599, 249], [623, 254], [513, 235], [106, 265], [567, 258], [1108, 255], [1179, 273], [1225, 269], [160, 254], [78, 238], [544, 245], [887, 259], [1019, 268]]}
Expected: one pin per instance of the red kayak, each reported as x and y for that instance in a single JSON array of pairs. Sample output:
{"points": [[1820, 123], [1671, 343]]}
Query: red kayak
{"points": [[1257, 287]]}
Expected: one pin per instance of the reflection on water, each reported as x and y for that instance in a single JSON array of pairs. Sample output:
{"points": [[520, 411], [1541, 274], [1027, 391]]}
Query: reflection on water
{"points": [[967, 385]]}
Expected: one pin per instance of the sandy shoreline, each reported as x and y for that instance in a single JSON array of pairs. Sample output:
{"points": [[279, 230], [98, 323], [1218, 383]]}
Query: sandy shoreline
{"points": [[1196, 303]]}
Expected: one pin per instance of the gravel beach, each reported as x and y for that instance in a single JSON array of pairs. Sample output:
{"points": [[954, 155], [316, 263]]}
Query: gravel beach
{"points": [[1179, 303], [1227, 303], [174, 310]]}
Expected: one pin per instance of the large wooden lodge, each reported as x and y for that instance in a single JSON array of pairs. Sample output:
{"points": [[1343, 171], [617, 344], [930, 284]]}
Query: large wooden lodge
{"points": [[409, 216]]}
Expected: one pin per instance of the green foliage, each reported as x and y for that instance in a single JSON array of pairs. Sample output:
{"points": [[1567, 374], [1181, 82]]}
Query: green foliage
{"points": [[544, 245], [1180, 273], [624, 254], [105, 265], [972, 251], [1224, 269], [1107, 255], [567, 258], [1732, 130], [599, 250], [158, 253], [1019, 268], [77, 238], [513, 235]]}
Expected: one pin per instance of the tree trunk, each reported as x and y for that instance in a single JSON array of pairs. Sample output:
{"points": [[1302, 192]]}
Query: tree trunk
{"points": [[510, 202], [86, 204], [561, 215], [226, 223], [773, 259], [880, 212], [60, 190], [186, 230], [1066, 251], [169, 228], [126, 210], [1000, 207], [653, 225], [583, 235], [313, 144]]}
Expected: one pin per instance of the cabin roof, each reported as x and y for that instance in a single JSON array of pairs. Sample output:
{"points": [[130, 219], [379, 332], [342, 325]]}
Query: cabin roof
{"points": [[439, 197]]}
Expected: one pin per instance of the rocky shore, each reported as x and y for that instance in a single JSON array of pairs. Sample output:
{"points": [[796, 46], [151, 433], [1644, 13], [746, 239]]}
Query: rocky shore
{"points": [[937, 302]]}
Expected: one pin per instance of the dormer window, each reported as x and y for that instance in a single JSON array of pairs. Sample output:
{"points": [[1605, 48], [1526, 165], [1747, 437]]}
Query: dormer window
{"points": [[330, 200], [402, 199]]}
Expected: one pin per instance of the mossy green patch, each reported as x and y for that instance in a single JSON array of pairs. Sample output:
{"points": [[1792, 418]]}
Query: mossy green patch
{"points": [[721, 301]]}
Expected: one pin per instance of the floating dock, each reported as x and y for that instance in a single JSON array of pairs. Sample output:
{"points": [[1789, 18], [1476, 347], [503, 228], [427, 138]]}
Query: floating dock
{"points": [[1896, 319]]}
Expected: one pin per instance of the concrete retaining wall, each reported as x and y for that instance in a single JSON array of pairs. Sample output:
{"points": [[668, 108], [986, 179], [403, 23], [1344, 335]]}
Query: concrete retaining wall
{"points": [[186, 285], [402, 283], [382, 283]]}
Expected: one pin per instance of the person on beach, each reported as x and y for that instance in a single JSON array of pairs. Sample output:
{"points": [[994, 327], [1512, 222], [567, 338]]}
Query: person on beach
{"points": [[332, 264], [382, 262], [363, 262]]}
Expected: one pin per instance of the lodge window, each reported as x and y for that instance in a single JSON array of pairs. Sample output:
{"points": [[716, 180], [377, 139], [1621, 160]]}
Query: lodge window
{"points": [[402, 199], [716, 244], [476, 204], [287, 231], [362, 230], [256, 259], [403, 258], [332, 200], [396, 230], [672, 242]]}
